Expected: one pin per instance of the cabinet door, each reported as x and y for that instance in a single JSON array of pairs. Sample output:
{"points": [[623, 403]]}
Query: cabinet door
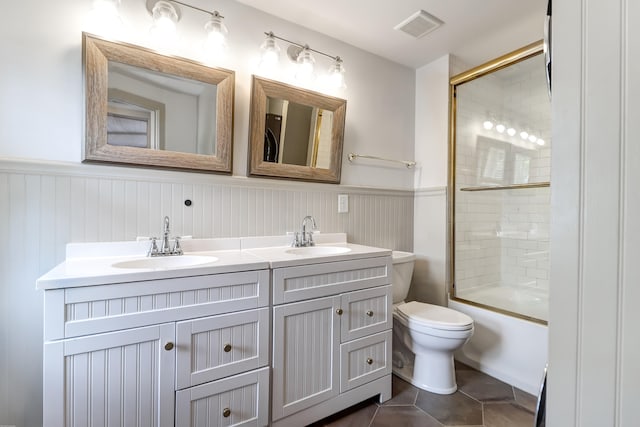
{"points": [[241, 400], [306, 339], [366, 312], [219, 346], [123, 378]]}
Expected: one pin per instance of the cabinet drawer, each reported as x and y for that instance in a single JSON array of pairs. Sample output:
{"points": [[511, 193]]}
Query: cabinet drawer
{"points": [[88, 310], [219, 346], [318, 280], [366, 312], [241, 400], [364, 360]]}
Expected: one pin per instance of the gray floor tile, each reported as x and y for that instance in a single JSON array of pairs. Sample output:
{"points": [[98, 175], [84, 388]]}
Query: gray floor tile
{"points": [[356, 416], [402, 393], [504, 406], [482, 387], [454, 409], [506, 415], [405, 416]]}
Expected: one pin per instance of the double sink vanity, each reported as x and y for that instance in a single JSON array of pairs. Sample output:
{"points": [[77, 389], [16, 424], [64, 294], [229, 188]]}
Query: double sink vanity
{"points": [[234, 332]]}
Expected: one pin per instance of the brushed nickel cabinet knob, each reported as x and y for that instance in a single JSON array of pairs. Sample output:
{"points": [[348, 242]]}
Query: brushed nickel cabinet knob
{"points": [[369, 361], [339, 311], [370, 313]]}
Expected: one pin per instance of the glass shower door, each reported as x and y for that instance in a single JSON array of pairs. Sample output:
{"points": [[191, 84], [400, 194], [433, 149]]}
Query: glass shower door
{"points": [[501, 122]]}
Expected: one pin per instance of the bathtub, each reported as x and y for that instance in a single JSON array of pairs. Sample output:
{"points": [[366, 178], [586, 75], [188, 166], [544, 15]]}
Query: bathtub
{"points": [[506, 347]]}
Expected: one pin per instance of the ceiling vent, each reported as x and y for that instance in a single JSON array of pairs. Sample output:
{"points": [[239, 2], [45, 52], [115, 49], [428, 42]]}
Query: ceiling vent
{"points": [[419, 24]]}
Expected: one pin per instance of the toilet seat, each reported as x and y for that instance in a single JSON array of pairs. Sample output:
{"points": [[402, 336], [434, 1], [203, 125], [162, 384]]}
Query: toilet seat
{"points": [[434, 316]]}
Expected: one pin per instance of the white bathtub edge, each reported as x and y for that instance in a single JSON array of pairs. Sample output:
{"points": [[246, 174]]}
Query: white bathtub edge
{"points": [[507, 348]]}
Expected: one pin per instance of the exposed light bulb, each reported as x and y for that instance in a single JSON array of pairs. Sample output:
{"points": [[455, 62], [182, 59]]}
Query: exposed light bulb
{"points": [[163, 31], [215, 44], [336, 75], [511, 131], [270, 54], [540, 141], [532, 138], [304, 73], [488, 125], [500, 128], [104, 19], [524, 135]]}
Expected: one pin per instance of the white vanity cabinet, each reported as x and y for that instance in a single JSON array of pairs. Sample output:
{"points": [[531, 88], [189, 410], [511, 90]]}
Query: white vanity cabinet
{"points": [[331, 337], [187, 351]]}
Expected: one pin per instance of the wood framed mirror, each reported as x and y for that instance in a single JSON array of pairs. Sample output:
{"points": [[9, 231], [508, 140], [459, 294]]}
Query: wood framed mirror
{"points": [[295, 133], [144, 108]]}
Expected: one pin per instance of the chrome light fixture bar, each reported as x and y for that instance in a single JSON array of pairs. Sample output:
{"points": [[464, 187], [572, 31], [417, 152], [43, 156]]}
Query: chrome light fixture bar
{"points": [[166, 15], [302, 54]]}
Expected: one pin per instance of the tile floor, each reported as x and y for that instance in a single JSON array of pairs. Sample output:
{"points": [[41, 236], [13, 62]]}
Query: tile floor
{"points": [[481, 401]]}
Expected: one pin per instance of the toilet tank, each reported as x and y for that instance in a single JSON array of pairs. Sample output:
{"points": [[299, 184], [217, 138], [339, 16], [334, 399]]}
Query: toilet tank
{"points": [[402, 272]]}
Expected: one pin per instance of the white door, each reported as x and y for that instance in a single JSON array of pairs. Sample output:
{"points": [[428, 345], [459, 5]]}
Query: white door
{"points": [[123, 378], [306, 346]]}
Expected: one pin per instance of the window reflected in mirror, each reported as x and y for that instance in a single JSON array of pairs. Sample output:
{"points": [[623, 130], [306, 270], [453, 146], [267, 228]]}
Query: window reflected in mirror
{"points": [[144, 108]]}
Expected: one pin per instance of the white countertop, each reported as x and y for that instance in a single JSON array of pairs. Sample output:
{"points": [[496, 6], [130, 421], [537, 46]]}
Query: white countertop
{"points": [[282, 256], [89, 264]]}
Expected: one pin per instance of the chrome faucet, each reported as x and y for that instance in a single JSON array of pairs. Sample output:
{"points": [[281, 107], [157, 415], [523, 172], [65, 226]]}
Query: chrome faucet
{"points": [[305, 238], [165, 246]]}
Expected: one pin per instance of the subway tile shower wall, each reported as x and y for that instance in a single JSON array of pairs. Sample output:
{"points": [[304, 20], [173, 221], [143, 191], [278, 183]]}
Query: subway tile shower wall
{"points": [[502, 237]]}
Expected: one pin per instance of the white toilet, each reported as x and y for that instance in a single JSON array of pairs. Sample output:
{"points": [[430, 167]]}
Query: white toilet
{"points": [[425, 335]]}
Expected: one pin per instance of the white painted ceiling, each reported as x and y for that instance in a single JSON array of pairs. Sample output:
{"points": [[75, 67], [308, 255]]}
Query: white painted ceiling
{"points": [[473, 30]]}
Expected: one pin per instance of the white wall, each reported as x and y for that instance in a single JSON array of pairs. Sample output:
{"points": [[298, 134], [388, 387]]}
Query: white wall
{"points": [[431, 153], [594, 375], [49, 199], [43, 83]]}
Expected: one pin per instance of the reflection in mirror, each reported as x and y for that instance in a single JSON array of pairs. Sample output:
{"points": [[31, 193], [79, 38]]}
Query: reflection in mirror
{"points": [[149, 109], [307, 130], [162, 111], [502, 163], [295, 133]]}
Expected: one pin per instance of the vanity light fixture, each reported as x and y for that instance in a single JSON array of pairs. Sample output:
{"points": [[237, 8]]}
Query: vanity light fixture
{"points": [[216, 41], [104, 19], [166, 15], [270, 54], [306, 63], [302, 55], [163, 31], [501, 128], [336, 74]]}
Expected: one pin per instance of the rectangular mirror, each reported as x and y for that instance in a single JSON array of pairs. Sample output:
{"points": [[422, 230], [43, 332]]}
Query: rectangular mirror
{"points": [[295, 133], [144, 108]]}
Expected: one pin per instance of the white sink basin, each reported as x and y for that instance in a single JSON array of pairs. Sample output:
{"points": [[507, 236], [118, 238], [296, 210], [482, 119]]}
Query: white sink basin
{"points": [[319, 250], [166, 262]]}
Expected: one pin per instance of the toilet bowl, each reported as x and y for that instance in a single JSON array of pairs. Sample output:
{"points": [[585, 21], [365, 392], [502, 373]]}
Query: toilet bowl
{"points": [[425, 335]]}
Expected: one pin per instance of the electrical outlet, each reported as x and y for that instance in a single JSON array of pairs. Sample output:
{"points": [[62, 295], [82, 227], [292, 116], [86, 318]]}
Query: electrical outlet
{"points": [[343, 203]]}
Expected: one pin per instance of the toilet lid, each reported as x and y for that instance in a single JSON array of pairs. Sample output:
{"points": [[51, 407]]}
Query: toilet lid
{"points": [[435, 316]]}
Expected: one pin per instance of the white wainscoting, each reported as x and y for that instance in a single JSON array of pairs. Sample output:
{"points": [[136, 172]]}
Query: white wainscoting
{"points": [[44, 206]]}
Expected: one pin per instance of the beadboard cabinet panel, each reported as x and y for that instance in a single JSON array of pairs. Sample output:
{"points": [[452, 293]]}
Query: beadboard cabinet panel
{"points": [[119, 378]]}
